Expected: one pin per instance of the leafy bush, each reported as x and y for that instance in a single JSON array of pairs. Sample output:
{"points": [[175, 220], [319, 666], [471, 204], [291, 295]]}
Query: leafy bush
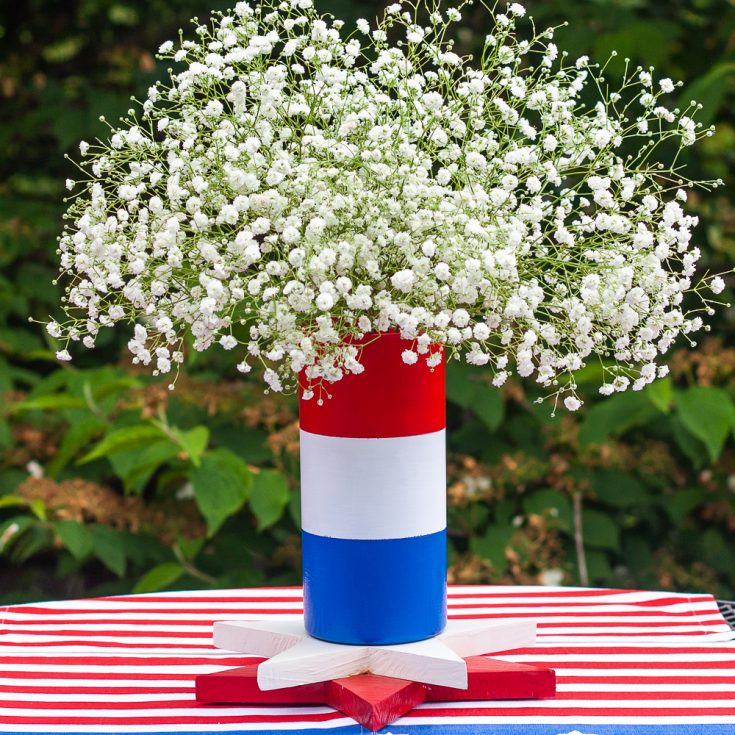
{"points": [[146, 489]]}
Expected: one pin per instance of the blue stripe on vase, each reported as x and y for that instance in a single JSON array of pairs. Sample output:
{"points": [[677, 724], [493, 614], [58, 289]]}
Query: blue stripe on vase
{"points": [[376, 592]]}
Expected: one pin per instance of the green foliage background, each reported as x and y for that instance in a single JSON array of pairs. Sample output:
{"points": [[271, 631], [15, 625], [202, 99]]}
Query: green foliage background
{"points": [[110, 483]]}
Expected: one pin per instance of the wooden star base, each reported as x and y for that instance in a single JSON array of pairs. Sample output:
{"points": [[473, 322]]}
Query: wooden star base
{"points": [[375, 701], [295, 658]]}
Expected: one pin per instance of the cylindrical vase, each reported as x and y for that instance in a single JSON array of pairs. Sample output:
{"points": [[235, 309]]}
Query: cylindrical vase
{"points": [[373, 501]]}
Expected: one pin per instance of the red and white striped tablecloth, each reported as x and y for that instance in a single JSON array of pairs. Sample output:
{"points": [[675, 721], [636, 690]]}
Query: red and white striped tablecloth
{"points": [[627, 663]]}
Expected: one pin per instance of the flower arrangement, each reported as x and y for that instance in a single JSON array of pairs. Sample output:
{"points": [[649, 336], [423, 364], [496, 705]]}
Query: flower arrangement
{"points": [[297, 185]]}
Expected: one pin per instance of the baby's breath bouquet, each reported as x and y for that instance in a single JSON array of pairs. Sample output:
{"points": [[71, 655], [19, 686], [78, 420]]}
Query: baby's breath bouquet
{"points": [[298, 184]]}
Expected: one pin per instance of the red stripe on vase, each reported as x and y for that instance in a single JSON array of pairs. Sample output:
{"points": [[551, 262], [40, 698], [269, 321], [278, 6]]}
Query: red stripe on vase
{"points": [[370, 406]]}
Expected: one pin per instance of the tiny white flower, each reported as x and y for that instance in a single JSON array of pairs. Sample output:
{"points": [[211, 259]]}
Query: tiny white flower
{"points": [[63, 355], [34, 469], [325, 301], [409, 357], [552, 578], [572, 403], [717, 285], [374, 192], [403, 280], [517, 9]]}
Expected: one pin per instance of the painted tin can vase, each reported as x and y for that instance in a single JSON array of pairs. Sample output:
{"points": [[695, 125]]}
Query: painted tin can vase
{"points": [[373, 501]]}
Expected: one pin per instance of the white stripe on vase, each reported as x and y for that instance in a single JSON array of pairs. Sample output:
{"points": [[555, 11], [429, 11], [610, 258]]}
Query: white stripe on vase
{"points": [[373, 488]]}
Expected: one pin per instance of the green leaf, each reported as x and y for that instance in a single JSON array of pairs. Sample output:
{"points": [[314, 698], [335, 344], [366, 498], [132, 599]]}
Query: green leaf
{"points": [[10, 478], [250, 444], [109, 548], [459, 389], [492, 545], [469, 387], [12, 501], [75, 438], [552, 504], [6, 438], [695, 450], [136, 466], [194, 442], [682, 503], [489, 407], [159, 577], [38, 508], [221, 484], [618, 489], [600, 532], [709, 414], [294, 509], [269, 497], [6, 381], [650, 41], [716, 546], [34, 539], [76, 537], [598, 565], [119, 440], [53, 402], [63, 49], [710, 91], [660, 393], [615, 416], [189, 547], [12, 529]]}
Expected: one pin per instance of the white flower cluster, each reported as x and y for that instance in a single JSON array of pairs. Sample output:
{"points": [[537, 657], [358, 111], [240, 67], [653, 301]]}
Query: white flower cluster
{"points": [[295, 187]]}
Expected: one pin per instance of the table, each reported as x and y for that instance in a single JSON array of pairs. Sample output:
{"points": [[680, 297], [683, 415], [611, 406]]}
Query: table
{"points": [[627, 663]]}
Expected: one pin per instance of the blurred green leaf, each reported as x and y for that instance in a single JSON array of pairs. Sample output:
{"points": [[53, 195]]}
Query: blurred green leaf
{"points": [[694, 449], [600, 531], [158, 578], [598, 565], [12, 501], [194, 442], [709, 414], [649, 41], [31, 539], [79, 434], [54, 402], [63, 49], [269, 497], [136, 466], [221, 485], [109, 548], [553, 504], [710, 91], [616, 415], [76, 537], [12, 529], [470, 388], [119, 440], [6, 438], [618, 489], [492, 545], [661, 394], [681, 503]]}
